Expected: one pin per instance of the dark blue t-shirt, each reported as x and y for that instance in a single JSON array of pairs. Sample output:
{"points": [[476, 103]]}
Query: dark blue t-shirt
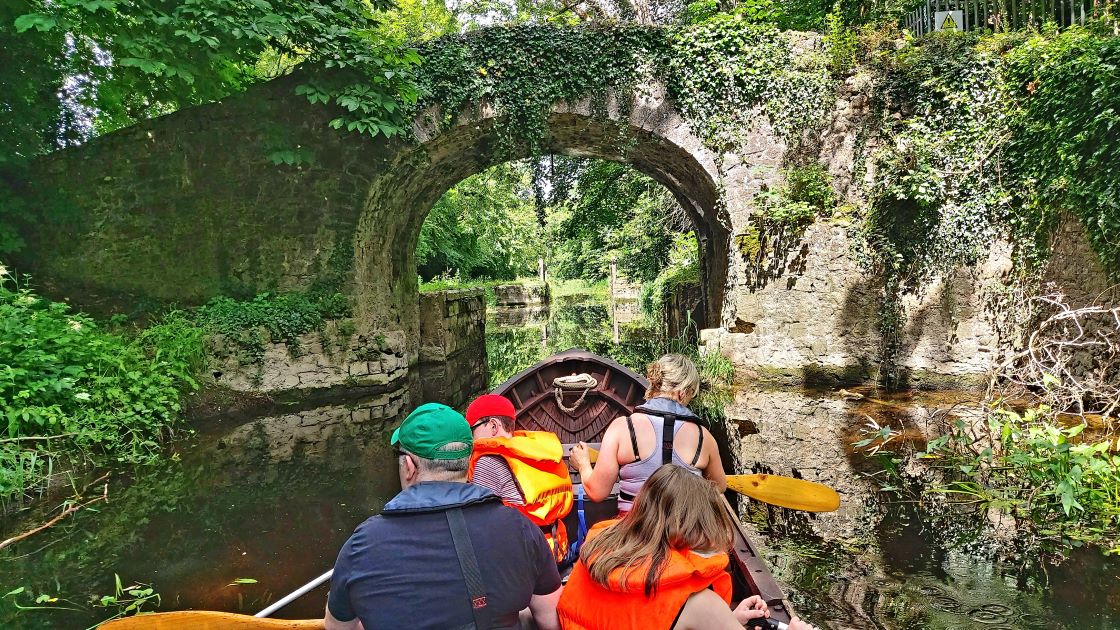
{"points": [[401, 570]]}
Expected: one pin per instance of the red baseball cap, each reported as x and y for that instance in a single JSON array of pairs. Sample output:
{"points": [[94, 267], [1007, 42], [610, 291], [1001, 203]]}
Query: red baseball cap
{"points": [[489, 405]]}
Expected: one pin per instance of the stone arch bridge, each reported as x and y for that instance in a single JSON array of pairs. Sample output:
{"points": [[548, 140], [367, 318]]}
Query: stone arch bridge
{"points": [[189, 206]]}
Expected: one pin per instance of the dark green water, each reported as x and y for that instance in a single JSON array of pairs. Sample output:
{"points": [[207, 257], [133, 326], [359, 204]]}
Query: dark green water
{"points": [[273, 499]]}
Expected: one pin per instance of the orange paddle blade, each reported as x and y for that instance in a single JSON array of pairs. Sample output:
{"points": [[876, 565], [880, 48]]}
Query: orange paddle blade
{"points": [[208, 620], [787, 492]]}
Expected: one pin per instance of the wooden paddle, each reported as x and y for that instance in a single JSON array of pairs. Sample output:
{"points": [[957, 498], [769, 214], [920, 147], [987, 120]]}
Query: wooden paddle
{"points": [[787, 492], [208, 620]]}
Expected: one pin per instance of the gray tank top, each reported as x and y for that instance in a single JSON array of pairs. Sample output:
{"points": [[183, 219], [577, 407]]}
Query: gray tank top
{"points": [[632, 476]]}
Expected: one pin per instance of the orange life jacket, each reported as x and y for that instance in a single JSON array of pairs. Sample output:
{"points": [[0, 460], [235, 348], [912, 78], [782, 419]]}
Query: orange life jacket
{"points": [[536, 460], [587, 605]]}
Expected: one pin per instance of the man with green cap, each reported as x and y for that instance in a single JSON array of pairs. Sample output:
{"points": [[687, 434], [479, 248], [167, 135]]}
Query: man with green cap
{"points": [[443, 553]]}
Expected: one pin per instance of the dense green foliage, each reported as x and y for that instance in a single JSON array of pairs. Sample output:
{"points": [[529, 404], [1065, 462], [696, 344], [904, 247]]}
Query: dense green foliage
{"points": [[806, 194], [1065, 129], [937, 202], [71, 391], [1002, 134], [1064, 488], [75, 69], [986, 136], [485, 226], [611, 211], [123, 61], [682, 269], [489, 225], [716, 70]]}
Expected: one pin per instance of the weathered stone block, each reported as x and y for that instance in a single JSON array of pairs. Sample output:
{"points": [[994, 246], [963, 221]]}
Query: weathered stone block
{"points": [[521, 294]]}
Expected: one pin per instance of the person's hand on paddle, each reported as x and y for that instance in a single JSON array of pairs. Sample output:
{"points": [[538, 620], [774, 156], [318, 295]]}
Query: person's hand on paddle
{"points": [[580, 457], [797, 624], [750, 608]]}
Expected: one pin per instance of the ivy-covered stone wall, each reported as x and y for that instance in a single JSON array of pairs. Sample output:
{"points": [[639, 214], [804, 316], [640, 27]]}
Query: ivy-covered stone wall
{"points": [[335, 361], [259, 193]]}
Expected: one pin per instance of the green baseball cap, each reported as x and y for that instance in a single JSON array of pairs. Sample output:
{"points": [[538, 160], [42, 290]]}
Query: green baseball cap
{"points": [[430, 427]]}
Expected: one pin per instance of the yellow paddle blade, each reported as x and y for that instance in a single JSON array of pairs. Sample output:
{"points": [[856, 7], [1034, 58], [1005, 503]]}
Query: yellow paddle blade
{"points": [[208, 620], [787, 492]]}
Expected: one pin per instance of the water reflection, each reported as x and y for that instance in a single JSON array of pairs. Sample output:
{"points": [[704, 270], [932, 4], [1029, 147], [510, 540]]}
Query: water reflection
{"points": [[518, 338], [879, 562], [272, 500]]}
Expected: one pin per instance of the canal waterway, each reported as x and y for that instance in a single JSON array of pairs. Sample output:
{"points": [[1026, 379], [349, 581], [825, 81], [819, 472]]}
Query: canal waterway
{"points": [[245, 511]]}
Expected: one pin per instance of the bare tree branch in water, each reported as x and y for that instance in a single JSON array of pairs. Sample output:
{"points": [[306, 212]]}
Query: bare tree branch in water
{"points": [[1071, 360], [73, 507]]}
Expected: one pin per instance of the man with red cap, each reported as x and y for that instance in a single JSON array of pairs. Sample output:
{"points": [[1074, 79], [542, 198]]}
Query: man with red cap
{"points": [[525, 468]]}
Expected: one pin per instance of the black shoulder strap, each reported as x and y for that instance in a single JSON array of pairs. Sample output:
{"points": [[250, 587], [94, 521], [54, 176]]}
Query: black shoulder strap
{"points": [[469, 564], [699, 446], [633, 438], [667, 439]]}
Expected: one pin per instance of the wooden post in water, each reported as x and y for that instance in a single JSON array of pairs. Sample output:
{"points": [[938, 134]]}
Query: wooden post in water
{"points": [[614, 313]]}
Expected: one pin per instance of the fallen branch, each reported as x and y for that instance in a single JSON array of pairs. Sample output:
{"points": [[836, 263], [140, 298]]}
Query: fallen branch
{"points": [[67, 512], [30, 438]]}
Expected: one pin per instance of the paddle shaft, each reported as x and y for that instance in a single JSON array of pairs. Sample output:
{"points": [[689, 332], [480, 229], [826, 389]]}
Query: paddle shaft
{"points": [[294, 595], [795, 494]]}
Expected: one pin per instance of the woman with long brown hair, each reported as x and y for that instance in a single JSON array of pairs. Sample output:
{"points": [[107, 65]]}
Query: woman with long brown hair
{"points": [[635, 446], [664, 565]]}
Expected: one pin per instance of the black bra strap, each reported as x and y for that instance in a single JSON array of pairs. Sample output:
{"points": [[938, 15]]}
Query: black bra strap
{"points": [[633, 438], [699, 446]]}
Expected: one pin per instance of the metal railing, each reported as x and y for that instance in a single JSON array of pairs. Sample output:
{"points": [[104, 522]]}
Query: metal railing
{"points": [[1002, 15]]}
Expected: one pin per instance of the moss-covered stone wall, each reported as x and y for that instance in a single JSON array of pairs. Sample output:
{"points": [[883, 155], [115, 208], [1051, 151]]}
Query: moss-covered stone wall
{"points": [[191, 205]]}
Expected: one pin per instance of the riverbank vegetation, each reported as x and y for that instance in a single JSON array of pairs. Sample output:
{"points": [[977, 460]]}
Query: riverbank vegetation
{"points": [[985, 137], [77, 393], [73, 393], [1041, 452], [974, 137]]}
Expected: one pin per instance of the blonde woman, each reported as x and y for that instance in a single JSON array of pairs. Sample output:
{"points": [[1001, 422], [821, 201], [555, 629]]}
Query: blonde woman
{"points": [[663, 566], [636, 446]]}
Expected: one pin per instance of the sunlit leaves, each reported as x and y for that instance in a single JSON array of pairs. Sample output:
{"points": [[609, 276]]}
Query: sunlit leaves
{"points": [[37, 21], [142, 58]]}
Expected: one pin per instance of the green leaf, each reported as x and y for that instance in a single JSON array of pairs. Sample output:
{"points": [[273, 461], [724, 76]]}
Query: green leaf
{"points": [[39, 21]]}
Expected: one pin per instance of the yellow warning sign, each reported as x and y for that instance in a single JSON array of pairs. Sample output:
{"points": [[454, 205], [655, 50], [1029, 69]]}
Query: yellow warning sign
{"points": [[948, 20]]}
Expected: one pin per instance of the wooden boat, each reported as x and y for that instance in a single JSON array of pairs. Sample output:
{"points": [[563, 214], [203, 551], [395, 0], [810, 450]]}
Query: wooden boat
{"points": [[576, 412], [578, 415]]}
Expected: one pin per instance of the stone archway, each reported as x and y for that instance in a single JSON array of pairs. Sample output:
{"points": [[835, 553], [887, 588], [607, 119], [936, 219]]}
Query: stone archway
{"points": [[651, 137], [197, 204]]}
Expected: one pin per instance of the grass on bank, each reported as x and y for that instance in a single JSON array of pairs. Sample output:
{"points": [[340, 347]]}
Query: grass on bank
{"points": [[557, 288]]}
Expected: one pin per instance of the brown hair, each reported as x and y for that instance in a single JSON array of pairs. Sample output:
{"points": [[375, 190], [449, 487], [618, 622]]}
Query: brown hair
{"points": [[671, 373], [674, 510]]}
